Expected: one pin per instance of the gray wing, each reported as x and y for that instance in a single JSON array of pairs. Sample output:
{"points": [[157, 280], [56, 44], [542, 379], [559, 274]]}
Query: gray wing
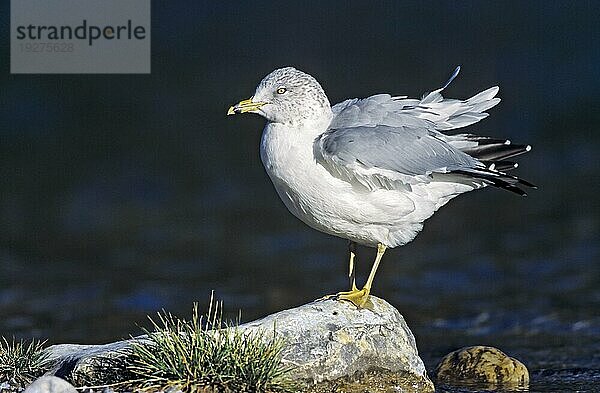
{"points": [[373, 142], [404, 149], [392, 142]]}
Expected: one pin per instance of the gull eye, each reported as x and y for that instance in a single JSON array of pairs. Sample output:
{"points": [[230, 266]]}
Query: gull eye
{"points": [[281, 90]]}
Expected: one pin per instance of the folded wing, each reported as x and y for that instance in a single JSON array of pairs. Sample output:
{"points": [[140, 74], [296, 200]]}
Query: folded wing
{"points": [[392, 142]]}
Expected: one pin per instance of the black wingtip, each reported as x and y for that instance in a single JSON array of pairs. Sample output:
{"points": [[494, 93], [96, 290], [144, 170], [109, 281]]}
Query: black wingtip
{"points": [[498, 179], [528, 184], [511, 188]]}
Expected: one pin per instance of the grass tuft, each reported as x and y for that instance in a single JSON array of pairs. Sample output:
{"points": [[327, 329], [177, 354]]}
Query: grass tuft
{"points": [[201, 355], [21, 363], [207, 353]]}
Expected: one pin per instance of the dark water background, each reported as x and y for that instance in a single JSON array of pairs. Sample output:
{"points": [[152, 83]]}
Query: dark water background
{"points": [[124, 194]]}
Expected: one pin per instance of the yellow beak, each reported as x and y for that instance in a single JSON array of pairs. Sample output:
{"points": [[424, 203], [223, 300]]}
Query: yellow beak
{"points": [[245, 106]]}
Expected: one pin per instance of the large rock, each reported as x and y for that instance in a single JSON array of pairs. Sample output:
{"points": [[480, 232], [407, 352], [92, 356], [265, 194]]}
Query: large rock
{"points": [[326, 340]]}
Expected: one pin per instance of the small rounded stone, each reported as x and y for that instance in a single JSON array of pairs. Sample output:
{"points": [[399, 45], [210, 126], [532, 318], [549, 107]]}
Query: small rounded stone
{"points": [[481, 365], [50, 384]]}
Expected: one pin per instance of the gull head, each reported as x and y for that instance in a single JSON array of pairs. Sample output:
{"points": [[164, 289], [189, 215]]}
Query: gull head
{"points": [[287, 96]]}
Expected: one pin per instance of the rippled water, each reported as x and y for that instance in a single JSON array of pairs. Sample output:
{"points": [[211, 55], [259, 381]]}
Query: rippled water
{"points": [[122, 195]]}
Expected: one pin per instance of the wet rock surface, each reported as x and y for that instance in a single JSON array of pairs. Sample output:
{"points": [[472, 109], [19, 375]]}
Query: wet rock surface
{"points": [[482, 366], [328, 343]]}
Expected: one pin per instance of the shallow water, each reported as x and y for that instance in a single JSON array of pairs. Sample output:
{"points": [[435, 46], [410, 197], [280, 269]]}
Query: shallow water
{"points": [[122, 195]]}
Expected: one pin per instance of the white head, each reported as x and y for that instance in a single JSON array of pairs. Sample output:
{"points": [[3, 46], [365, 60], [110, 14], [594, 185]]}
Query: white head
{"points": [[287, 96]]}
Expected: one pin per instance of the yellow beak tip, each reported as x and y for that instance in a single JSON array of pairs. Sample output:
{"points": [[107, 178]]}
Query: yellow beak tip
{"points": [[245, 106]]}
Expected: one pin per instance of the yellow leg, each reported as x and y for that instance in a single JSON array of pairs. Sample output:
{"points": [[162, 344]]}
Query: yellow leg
{"points": [[360, 297], [380, 251]]}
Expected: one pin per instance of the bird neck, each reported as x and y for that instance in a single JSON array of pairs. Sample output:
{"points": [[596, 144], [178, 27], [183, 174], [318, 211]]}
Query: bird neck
{"points": [[310, 126]]}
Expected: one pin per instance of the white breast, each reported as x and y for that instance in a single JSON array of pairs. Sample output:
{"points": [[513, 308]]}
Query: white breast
{"points": [[302, 184]]}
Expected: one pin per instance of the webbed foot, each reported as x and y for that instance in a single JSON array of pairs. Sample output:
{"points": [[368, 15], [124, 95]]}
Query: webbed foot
{"points": [[358, 297]]}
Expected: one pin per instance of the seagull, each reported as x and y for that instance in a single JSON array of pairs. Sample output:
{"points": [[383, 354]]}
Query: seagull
{"points": [[372, 170]]}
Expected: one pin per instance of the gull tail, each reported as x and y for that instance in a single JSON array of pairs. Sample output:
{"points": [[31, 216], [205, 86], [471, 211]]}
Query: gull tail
{"points": [[494, 154]]}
